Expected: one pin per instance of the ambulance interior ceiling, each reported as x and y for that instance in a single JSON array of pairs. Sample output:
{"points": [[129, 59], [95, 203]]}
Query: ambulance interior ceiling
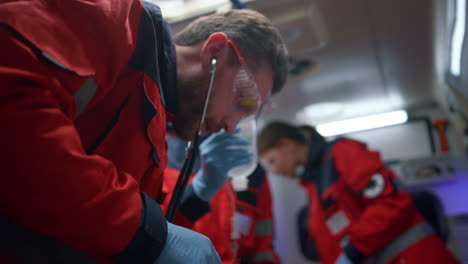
{"points": [[360, 57], [364, 57], [350, 58]]}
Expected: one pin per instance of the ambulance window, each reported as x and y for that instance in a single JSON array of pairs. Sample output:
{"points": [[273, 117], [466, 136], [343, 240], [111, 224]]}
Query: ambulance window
{"points": [[457, 66], [457, 13]]}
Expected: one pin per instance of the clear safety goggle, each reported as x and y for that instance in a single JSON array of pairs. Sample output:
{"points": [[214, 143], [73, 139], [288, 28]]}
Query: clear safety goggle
{"points": [[247, 98]]}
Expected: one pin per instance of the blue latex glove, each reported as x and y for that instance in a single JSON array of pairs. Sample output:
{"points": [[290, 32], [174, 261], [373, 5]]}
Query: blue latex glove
{"points": [[186, 246], [219, 154], [343, 259]]}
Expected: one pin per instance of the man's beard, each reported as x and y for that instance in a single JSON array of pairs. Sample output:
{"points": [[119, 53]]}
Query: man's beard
{"points": [[190, 105], [186, 128]]}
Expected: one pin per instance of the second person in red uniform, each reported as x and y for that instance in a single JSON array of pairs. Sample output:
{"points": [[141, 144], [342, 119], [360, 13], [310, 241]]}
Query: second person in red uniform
{"points": [[239, 217], [357, 215]]}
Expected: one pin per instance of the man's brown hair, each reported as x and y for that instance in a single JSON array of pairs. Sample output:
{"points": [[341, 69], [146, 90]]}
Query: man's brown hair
{"points": [[257, 39], [273, 132]]}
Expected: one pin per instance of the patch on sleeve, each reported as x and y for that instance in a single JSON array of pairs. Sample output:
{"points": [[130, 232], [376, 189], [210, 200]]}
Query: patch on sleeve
{"points": [[338, 222], [241, 224], [375, 187]]}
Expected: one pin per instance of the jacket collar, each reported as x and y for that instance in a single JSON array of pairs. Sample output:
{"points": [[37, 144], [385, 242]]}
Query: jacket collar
{"points": [[166, 55], [316, 153]]}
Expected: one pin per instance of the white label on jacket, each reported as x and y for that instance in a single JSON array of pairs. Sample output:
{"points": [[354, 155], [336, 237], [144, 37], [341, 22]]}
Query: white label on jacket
{"points": [[242, 223], [240, 184], [337, 222], [235, 234], [375, 187]]}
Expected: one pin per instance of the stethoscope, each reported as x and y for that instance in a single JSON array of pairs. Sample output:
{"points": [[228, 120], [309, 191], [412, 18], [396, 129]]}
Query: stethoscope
{"points": [[190, 155]]}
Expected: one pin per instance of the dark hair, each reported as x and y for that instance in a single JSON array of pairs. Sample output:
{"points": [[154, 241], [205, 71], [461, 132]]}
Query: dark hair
{"points": [[273, 132], [313, 134], [257, 39]]}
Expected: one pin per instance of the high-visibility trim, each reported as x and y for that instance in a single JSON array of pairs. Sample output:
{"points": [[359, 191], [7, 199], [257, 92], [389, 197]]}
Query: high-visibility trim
{"points": [[258, 257], [264, 228], [401, 243], [86, 92], [84, 95], [54, 61]]}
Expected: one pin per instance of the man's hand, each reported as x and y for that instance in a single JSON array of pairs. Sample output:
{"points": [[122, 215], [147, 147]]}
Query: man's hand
{"points": [[218, 154], [186, 246], [343, 259]]}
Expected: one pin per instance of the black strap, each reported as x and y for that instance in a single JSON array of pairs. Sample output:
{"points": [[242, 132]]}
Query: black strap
{"points": [[308, 248], [191, 206], [248, 197]]}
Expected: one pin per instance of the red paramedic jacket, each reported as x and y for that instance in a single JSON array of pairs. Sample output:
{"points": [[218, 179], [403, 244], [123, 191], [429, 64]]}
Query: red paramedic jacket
{"points": [[355, 208], [249, 210], [83, 127]]}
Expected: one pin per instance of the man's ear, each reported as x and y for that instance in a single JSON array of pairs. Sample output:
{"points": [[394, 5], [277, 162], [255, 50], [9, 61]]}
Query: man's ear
{"points": [[216, 46]]}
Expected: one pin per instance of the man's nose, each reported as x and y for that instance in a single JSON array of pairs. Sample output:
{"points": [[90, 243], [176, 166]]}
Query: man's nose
{"points": [[230, 128], [273, 168], [231, 124]]}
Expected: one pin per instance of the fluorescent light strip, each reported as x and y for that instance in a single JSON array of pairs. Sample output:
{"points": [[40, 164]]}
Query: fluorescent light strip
{"points": [[362, 123], [458, 37]]}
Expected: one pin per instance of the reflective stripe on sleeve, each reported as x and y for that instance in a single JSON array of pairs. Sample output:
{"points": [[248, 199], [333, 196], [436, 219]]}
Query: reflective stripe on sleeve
{"points": [[258, 257], [84, 95], [401, 243], [263, 228]]}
